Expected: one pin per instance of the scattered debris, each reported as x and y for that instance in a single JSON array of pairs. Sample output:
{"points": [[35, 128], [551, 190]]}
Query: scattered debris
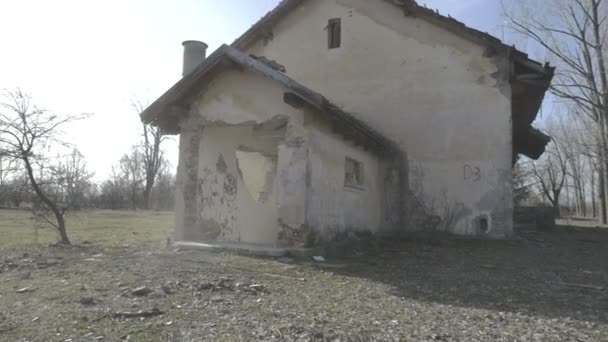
{"points": [[205, 286], [222, 284], [24, 276], [48, 263], [334, 266], [25, 290], [139, 314], [166, 289], [488, 266], [214, 294], [88, 301], [282, 276], [246, 281], [255, 288], [217, 299], [93, 260], [141, 291], [584, 286]]}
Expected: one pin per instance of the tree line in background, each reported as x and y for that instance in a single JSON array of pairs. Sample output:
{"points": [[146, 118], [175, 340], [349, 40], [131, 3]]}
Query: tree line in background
{"points": [[41, 171], [572, 175]]}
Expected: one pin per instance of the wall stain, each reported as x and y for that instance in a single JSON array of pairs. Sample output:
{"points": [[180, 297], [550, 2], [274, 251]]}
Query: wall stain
{"points": [[220, 165]]}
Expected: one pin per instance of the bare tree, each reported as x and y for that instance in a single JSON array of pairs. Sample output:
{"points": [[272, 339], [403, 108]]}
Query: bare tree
{"points": [[575, 144], [26, 132], [550, 173], [153, 159], [574, 33], [6, 170], [133, 174], [67, 182], [112, 192], [521, 186], [163, 193], [71, 179]]}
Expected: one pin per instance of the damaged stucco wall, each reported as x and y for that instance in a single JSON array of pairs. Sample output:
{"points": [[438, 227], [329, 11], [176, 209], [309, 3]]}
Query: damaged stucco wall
{"points": [[254, 169], [228, 210], [333, 206], [186, 209], [436, 93], [244, 120]]}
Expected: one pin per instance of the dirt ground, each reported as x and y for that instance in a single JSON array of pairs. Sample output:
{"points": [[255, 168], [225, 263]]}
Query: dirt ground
{"points": [[537, 287]]}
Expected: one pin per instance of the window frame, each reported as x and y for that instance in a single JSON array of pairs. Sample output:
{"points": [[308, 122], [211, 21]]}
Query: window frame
{"points": [[334, 33], [359, 174]]}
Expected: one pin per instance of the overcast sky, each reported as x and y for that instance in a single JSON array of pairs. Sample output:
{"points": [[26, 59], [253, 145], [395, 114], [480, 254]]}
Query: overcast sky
{"points": [[77, 56]]}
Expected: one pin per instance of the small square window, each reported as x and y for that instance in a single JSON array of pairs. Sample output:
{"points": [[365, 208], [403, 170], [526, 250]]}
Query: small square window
{"points": [[353, 173], [334, 33]]}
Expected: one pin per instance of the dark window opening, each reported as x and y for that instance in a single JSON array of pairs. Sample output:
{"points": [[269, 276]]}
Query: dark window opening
{"points": [[353, 174], [334, 33], [483, 225]]}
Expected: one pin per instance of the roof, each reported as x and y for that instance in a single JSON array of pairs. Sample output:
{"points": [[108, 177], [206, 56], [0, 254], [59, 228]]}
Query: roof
{"points": [[295, 95], [410, 8], [530, 79]]}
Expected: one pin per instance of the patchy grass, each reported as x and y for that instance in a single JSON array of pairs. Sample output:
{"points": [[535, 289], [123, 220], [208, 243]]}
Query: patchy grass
{"points": [[109, 228], [538, 287]]}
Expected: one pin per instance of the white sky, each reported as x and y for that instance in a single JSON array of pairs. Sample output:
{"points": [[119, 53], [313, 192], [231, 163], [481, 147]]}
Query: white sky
{"points": [[82, 56]]}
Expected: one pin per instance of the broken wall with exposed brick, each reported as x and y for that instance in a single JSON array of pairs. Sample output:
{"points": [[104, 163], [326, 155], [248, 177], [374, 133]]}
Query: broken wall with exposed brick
{"points": [[254, 169]]}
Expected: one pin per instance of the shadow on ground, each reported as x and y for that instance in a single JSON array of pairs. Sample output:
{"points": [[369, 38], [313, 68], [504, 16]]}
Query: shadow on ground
{"points": [[561, 274]]}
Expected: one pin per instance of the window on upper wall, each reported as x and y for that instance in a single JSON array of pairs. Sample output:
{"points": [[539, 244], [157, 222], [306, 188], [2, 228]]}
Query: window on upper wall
{"points": [[334, 33], [353, 174]]}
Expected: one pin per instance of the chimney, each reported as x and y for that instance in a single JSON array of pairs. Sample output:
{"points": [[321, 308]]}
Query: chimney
{"points": [[194, 54]]}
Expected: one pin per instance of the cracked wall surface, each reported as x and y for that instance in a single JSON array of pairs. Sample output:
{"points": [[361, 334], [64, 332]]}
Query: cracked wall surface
{"points": [[229, 211], [258, 173], [435, 93], [240, 196], [334, 206], [271, 173], [186, 210]]}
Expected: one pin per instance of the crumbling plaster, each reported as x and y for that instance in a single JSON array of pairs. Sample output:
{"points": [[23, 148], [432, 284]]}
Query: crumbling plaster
{"points": [[333, 205], [432, 91], [265, 172]]}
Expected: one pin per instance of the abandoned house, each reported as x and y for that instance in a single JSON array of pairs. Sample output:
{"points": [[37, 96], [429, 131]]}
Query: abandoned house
{"points": [[337, 117]]}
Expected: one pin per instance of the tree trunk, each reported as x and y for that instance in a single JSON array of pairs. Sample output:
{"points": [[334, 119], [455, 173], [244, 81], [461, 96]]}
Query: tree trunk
{"points": [[556, 208], [593, 204], [134, 198], [63, 235], [147, 191], [602, 194], [603, 175], [568, 205]]}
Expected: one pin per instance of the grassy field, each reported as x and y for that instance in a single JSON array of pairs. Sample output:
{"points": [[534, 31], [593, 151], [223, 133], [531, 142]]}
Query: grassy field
{"points": [[539, 286], [109, 228]]}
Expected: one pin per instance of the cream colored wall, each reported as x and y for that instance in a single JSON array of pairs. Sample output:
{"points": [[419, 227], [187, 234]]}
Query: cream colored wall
{"points": [[264, 168], [186, 204], [227, 205], [431, 91], [241, 98], [243, 193], [333, 207]]}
